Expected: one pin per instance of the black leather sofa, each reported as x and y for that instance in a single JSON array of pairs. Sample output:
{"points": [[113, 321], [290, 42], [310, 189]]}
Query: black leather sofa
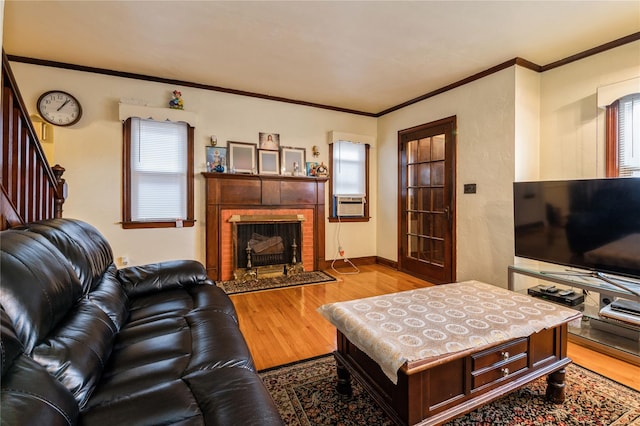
{"points": [[85, 343]]}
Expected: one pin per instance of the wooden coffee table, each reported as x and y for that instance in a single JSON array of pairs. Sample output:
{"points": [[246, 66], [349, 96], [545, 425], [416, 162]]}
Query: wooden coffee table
{"points": [[436, 390], [431, 354]]}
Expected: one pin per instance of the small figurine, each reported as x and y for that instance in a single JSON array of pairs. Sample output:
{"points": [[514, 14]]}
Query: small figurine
{"points": [[176, 100]]}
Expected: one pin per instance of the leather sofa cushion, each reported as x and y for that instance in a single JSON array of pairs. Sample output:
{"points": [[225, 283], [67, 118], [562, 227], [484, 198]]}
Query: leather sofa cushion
{"points": [[153, 305], [166, 344], [233, 396], [39, 286], [167, 402], [223, 396], [70, 336], [172, 274], [30, 395], [172, 335], [109, 295], [77, 352], [81, 244], [9, 343]]}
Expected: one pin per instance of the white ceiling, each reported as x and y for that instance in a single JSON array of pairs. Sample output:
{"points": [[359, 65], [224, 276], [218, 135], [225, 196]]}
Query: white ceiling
{"points": [[361, 55]]}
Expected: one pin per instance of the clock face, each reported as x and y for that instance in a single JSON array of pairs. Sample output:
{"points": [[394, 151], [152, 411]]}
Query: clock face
{"points": [[59, 108]]}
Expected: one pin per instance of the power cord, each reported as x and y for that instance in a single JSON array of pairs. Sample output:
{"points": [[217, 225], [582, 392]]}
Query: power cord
{"points": [[340, 252]]}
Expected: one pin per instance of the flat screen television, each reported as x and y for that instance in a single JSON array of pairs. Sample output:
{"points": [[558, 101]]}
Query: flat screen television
{"points": [[591, 224]]}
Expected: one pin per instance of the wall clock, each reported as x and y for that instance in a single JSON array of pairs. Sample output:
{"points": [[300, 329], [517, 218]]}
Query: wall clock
{"points": [[59, 108]]}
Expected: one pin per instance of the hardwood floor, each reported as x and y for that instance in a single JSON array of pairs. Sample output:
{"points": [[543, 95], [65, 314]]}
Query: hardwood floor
{"points": [[283, 326]]}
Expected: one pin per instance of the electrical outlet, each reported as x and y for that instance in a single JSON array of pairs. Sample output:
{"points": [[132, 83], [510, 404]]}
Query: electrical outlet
{"points": [[124, 260]]}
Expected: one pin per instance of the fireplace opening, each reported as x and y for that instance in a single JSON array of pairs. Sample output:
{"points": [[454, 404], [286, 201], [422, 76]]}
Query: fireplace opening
{"points": [[269, 243], [269, 246]]}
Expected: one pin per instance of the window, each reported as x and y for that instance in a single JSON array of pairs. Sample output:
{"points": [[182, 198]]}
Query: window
{"points": [[349, 176], [623, 137], [158, 174]]}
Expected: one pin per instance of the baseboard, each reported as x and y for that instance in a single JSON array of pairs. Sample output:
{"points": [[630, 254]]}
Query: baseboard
{"points": [[386, 262], [359, 261]]}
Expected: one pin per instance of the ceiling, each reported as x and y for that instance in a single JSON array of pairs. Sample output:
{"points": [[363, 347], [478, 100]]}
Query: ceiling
{"points": [[366, 56]]}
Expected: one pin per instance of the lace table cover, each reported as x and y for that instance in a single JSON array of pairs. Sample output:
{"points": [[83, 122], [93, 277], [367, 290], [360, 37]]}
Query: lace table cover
{"points": [[417, 324]]}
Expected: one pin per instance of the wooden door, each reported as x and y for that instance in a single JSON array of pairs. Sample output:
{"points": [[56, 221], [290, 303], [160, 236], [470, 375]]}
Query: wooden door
{"points": [[426, 246]]}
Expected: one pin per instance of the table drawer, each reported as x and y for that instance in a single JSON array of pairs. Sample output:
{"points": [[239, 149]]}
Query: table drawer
{"points": [[499, 353], [499, 371]]}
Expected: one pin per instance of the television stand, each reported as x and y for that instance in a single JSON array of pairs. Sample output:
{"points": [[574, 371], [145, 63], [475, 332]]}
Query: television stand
{"points": [[614, 282], [614, 338]]}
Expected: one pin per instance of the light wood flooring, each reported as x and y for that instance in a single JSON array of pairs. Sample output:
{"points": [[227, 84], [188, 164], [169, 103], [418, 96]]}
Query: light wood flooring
{"points": [[283, 326]]}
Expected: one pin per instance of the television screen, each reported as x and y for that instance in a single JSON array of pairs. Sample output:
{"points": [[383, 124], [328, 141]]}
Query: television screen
{"points": [[591, 224]]}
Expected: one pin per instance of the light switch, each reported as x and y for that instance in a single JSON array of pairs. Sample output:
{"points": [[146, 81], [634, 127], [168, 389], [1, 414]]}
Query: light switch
{"points": [[469, 188]]}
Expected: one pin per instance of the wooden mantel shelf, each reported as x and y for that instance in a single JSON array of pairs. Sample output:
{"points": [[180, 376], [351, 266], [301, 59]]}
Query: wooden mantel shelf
{"points": [[226, 191], [261, 177]]}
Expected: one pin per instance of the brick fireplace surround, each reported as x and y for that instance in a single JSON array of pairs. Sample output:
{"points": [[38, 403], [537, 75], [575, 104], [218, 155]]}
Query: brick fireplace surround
{"points": [[239, 194]]}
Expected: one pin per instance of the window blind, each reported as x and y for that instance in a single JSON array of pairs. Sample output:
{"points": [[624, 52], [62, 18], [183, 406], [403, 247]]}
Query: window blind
{"points": [[158, 170], [629, 135], [349, 164]]}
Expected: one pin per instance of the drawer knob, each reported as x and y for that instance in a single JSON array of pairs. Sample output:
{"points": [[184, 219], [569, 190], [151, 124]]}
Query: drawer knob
{"points": [[505, 355], [505, 372]]}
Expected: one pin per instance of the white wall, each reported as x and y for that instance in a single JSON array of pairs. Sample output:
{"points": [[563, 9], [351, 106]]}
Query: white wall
{"points": [[91, 152], [527, 122], [485, 155], [571, 125]]}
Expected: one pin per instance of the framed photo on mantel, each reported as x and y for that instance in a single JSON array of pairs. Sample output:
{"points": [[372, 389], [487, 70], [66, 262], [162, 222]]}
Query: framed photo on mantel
{"points": [[293, 161], [268, 162], [216, 159], [269, 141], [242, 157]]}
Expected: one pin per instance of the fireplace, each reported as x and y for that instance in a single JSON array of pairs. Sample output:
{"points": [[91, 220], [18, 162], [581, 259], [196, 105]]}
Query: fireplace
{"points": [[266, 245], [297, 200]]}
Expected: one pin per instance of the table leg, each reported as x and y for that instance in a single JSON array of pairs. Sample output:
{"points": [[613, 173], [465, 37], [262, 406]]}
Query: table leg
{"points": [[344, 380], [555, 386]]}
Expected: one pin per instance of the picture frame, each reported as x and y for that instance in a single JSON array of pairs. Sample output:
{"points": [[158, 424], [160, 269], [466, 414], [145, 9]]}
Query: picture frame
{"points": [[269, 141], [293, 161], [242, 157], [311, 168], [216, 159], [268, 162]]}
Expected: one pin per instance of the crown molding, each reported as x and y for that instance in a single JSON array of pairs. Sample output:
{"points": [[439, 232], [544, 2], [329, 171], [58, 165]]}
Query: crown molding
{"points": [[515, 61]]}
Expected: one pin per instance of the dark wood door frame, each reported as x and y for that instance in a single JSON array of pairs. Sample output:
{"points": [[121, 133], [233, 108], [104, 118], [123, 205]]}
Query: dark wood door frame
{"points": [[405, 135]]}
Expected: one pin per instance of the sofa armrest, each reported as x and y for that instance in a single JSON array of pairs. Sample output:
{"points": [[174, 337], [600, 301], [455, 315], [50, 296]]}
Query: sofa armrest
{"points": [[139, 280]]}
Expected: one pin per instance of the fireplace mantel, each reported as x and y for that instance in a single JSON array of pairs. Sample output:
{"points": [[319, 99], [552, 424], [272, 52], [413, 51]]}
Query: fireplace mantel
{"points": [[260, 193]]}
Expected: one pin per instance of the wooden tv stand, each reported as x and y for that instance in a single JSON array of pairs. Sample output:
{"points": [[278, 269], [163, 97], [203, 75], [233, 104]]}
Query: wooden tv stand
{"points": [[436, 390]]}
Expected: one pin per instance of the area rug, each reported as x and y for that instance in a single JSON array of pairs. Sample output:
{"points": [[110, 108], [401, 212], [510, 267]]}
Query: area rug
{"points": [[313, 277], [305, 395]]}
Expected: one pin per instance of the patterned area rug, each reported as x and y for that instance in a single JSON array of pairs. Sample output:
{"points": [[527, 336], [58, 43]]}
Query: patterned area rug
{"points": [[305, 395], [313, 277]]}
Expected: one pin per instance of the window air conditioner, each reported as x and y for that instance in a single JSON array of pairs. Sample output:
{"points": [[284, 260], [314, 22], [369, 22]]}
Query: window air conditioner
{"points": [[348, 205]]}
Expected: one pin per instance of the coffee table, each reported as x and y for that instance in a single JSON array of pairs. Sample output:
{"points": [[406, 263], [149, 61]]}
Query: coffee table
{"points": [[435, 389]]}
